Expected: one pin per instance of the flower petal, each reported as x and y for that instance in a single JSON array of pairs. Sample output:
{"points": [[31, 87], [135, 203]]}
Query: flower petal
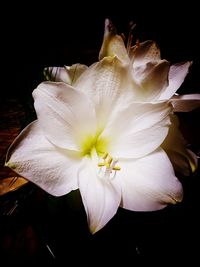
{"points": [[138, 129], [67, 74], [35, 158], [100, 197], [65, 115], [149, 183], [141, 143], [105, 83], [155, 80], [185, 103], [145, 52], [113, 45], [177, 75], [183, 159]]}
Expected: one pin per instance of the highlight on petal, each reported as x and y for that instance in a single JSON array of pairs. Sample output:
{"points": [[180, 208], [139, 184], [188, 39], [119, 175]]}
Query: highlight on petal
{"points": [[177, 74], [35, 158], [149, 183], [185, 103], [105, 83], [66, 74], [113, 44], [183, 160], [138, 129], [65, 114], [141, 143], [100, 197]]}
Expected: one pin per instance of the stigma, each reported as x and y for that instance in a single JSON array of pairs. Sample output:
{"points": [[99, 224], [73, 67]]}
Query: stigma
{"points": [[108, 167]]}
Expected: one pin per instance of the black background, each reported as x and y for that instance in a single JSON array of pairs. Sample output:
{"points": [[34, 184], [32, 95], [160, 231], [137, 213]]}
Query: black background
{"points": [[35, 36]]}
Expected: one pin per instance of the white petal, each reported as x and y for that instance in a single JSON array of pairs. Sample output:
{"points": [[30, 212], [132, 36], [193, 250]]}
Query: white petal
{"points": [[177, 75], [185, 103], [35, 158], [155, 80], [66, 74], [147, 51], [65, 115], [183, 159], [138, 129], [113, 45], [139, 116], [141, 143], [100, 197], [149, 183], [105, 83]]}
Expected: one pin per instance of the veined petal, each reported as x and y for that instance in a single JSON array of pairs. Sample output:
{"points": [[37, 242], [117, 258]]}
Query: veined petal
{"points": [[145, 52], [32, 156], [138, 129], [177, 74], [139, 144], [105, 83], [138, 116], [149, 183], [113, 45], [66, 74], [65, 114], [185, 103], [100, 197], [183, 159]]}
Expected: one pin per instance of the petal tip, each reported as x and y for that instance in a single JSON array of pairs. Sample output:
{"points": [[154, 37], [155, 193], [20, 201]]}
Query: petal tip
{"points": [[109, 27], [10, 165], [178, 197]]}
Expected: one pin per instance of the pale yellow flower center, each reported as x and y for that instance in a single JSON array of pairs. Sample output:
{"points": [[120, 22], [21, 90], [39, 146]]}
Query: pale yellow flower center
{"points": [[99, 146], [91, 143]]}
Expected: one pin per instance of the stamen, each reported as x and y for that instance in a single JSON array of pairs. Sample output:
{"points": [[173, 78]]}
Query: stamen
{"points": [[137, 43], [109, 161], [108, 167], [105, 156], [130, 36], [116, 168], [101, 164]]}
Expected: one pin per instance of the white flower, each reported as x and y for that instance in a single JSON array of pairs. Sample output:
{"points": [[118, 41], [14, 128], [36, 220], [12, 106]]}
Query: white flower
{"points": [[95, 132]]}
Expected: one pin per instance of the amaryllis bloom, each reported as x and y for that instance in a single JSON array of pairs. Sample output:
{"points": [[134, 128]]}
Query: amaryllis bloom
{"points": [[99, 130], [152, 79]]}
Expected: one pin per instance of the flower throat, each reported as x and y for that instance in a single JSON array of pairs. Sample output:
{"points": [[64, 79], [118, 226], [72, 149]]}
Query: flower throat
{"points": [[99, 146]]}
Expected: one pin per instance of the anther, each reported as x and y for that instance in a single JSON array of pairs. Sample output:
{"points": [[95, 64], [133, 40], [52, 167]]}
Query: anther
{"points": [[101, 164], [116, 168], [105, 156], [108, 167]]}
